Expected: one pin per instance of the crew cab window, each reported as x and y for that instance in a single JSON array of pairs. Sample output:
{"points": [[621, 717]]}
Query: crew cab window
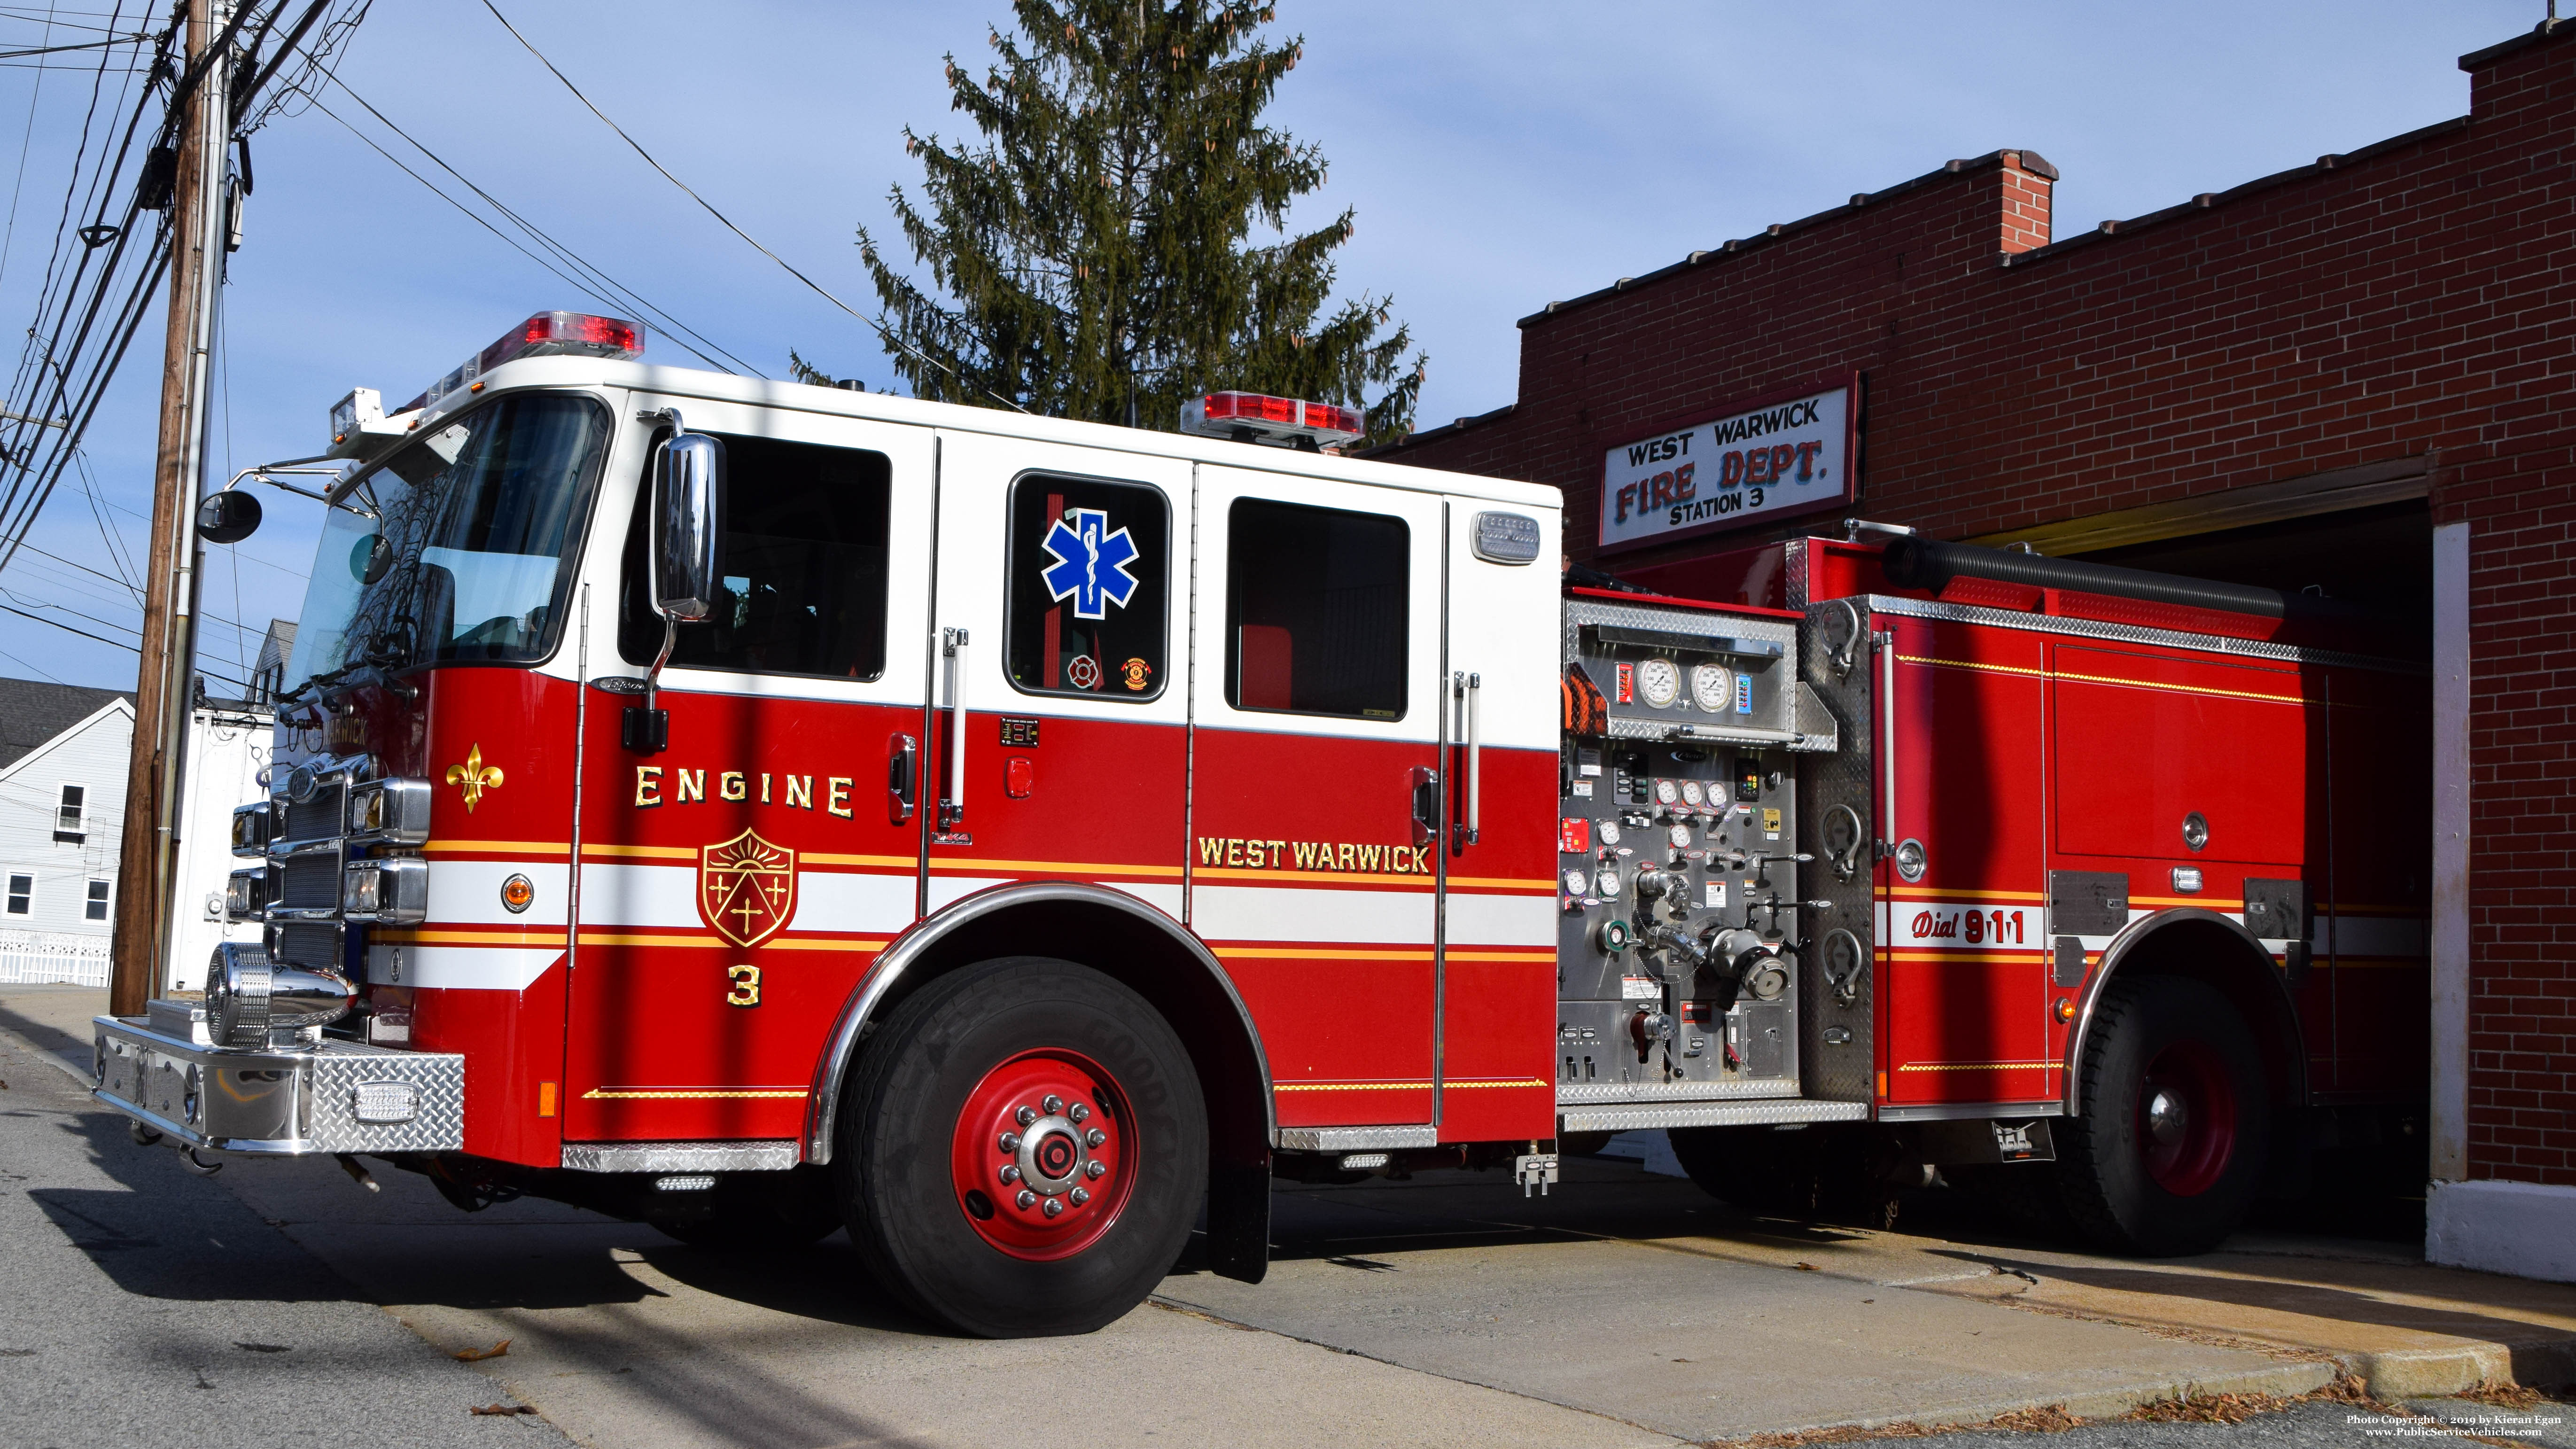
{"points": [[804, 586], [1315, 610], [1088, 602]]}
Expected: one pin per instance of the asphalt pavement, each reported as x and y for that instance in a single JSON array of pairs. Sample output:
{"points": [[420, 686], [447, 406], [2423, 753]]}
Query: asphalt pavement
{"points": [[282, 1303]]}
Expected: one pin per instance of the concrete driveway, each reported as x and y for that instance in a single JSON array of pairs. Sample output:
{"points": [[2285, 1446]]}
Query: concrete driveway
{"points": [[1626, 1309]]}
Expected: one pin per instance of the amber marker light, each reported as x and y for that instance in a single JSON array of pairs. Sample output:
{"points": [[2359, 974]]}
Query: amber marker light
{"points": [[516, 892], [2066, 1008]]}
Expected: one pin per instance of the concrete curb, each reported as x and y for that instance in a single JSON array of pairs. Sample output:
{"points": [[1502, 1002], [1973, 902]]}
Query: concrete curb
{"points": [[2284, 1380]]}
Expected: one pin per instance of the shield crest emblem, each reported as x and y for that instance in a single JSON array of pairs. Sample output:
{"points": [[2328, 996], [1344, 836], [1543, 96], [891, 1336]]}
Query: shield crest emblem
{"points": [[746, 888]]}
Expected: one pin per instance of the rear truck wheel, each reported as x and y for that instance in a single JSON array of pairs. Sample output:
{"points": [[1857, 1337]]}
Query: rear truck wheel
{"points": [[2168, 1153], [761, 1212], [1023, 1149]]}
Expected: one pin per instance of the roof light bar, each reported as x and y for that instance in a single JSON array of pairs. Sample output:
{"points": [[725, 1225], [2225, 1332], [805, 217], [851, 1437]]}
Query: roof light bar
{"points": [[1251, 417], [547, 334]]}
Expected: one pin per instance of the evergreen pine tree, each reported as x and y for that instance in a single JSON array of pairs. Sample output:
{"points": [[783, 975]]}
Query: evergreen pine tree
{"points": [[1095, 251]]}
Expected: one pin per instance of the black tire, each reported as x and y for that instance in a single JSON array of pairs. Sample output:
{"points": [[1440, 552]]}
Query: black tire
{"points": [[903, 1134], [2180, 1184], [763, 1212]]}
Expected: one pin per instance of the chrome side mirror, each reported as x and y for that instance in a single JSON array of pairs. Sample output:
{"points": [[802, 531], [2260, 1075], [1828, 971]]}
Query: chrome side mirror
{"points": [[688, 526]]}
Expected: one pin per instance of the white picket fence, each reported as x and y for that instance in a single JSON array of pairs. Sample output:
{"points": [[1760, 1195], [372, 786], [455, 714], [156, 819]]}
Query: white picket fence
{"points": [[30, 957]]}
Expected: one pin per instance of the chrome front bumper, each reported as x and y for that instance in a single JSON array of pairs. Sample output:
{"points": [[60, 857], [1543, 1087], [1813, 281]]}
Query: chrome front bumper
{"points": [[329, 1096]]}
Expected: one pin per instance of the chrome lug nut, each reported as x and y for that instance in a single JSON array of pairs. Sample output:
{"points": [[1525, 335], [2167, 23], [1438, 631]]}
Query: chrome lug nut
{"points": [[1094, 1137], [1081, 1195], [1010, 1142], [1080, 1113], [1026, 1115], [1053, 1104], [1010, 1172], [1054, 1206], [1095, 1169], [1027, 1198]]}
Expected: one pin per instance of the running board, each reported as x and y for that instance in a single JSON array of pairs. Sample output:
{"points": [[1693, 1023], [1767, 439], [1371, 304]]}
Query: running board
{"points": [[1708, 1114]]}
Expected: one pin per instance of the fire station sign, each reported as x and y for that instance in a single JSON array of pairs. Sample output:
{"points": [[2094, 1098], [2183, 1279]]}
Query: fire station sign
{"points": [[1785, 456]]}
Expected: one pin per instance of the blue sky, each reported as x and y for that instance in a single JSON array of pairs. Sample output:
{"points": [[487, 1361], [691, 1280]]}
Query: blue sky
{"points": [[1498, 155]]}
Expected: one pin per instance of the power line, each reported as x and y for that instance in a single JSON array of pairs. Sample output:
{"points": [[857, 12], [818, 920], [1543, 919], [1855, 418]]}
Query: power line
{"points": [[673, 327], [876, 322]]}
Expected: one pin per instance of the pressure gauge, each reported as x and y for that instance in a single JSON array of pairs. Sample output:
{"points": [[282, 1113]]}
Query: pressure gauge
{"points": [[1711, 688], [1660, 681], [1607, 880], [1575, 882], [1680, 835], [1607, 832], [1691, 793], [1667, 792]]}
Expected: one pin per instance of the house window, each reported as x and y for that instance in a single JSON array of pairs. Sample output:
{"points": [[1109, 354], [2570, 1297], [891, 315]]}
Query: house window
{"points": [[22, 894], [71, 817], [96, 910]]}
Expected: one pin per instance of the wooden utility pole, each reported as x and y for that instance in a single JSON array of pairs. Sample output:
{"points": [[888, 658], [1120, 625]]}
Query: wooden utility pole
{"points": [[164, 692]]}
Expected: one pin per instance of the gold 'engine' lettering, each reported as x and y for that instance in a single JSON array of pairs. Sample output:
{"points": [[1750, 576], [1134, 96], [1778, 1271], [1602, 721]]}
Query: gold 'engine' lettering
{"points": [[729, 786], [692, 783], [836, 798], [648, 786]]}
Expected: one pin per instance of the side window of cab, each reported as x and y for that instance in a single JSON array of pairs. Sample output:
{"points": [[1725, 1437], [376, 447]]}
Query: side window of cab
{"points": [[804, 590], [1089, 606]]}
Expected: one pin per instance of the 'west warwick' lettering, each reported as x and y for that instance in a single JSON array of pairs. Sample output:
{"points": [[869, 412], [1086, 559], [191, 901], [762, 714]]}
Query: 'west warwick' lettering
{"points": [[1356, 857]]}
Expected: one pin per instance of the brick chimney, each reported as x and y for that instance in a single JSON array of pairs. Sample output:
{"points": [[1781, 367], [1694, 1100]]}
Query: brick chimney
{"points": [[2027, 181]]}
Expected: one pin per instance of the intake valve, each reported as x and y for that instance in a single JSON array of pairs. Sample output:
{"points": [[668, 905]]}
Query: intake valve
{"points": [[1650, 1029]]}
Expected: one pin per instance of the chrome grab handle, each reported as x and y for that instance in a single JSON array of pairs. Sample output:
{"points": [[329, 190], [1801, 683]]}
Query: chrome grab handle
{"points": [[1475, 758], [952, 647]]}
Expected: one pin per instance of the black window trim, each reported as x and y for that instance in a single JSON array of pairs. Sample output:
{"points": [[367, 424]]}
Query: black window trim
{"points": [[1010, 574], [1226, 690]]}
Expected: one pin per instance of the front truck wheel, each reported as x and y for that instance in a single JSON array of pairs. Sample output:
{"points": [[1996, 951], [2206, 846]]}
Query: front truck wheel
{"points": [[1023, 1149], [2168, 1153]]}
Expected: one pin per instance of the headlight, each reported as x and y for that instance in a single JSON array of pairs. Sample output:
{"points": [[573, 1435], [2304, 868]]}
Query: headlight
{"points": [[390, 892], [253, 826], [389, 812], [246, 894]]}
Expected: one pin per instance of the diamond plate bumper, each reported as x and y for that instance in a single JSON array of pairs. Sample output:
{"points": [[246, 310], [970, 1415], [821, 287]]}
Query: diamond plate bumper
{"points": [[333, 1096]]}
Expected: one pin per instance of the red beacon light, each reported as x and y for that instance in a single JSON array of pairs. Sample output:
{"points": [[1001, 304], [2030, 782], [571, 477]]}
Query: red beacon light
{"points": [[547, 334], [1285, 422]]}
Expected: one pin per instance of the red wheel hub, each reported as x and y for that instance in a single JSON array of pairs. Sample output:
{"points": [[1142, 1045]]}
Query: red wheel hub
{"points": [[1045, 1154], [2186, 1118]]}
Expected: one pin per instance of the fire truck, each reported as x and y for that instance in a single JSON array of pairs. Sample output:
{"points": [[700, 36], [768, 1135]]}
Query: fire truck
{"points": [[758, 809]]}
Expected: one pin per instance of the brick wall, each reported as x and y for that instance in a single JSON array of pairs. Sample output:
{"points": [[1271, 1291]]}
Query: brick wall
{"points": [[2412, 299]]}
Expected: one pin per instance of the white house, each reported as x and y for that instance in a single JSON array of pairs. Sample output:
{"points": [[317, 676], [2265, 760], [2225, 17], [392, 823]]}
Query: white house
{"points": [[64, 751]]}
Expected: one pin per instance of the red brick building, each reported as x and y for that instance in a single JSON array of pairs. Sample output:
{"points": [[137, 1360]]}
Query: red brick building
{"points": [[2354, 375]]}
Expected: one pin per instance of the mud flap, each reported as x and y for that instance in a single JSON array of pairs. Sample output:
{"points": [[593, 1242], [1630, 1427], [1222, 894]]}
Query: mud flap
{"points": [[1238, 1220]]}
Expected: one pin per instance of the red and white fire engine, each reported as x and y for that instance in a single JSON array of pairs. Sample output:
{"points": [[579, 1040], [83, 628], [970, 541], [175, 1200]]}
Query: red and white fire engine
{"points": [[757, 809]]}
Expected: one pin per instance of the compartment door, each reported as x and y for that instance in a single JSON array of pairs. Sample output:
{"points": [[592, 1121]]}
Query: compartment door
{"points": [[1498, 984]]}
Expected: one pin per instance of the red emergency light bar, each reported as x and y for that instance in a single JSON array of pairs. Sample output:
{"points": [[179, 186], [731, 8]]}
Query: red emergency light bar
{"points": [[547, 334], [579, 334], [1254, 417]]}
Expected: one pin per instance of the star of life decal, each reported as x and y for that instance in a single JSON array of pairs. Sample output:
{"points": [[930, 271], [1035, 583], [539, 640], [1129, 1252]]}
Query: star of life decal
{"points": [[1091, 562]]}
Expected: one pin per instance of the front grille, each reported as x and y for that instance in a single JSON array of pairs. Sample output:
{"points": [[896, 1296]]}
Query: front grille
{"points": [[311, 882], [317, 818], [304, 943]]}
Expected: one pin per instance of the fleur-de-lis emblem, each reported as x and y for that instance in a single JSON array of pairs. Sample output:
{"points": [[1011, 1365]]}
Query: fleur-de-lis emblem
{"points": [[475, 776]]}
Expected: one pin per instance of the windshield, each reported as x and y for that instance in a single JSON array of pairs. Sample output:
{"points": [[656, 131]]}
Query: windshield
{"points": [[459, 546]]}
